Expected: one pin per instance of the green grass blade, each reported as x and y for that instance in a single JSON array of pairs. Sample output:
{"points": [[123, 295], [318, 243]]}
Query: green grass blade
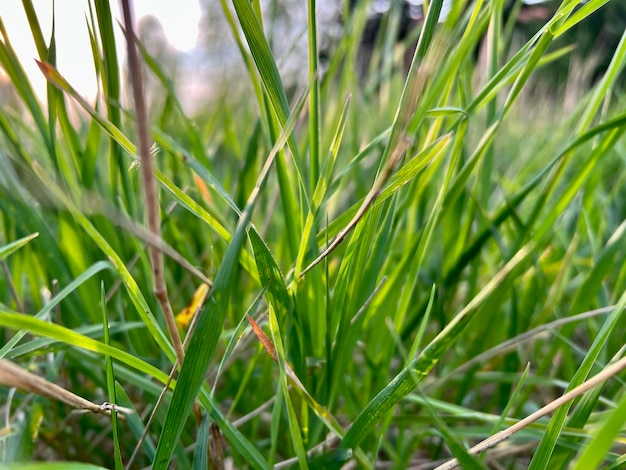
{"points": [[270, 77], [200, 453], [35, 29], [271, 277], [603, 439], [314, 98], [110, 378], [52, 466], [134, 421], [39, 327], [545, 449], [112, 90], [211, 321], [410, 376], [19, 79], [429, 155], [143, 309], [8, 250], [55, 301]]}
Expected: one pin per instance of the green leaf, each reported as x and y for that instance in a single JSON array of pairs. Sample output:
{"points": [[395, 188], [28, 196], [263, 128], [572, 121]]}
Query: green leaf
{"points": [[271, 277], [8, 250], [210, 323], [410, 376], [134, 422], [52, 466], [541, 457], [56, 300], [110, 382], [200, 453]]}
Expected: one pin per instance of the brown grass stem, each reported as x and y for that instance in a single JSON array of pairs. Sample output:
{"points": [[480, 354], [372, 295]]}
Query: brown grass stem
{"points": [[12, 375], [149, 184], [503, 435], [371, 196]]}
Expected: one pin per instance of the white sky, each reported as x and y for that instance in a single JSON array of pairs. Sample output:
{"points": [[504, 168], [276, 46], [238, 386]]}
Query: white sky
{"points": [[74, 59]]}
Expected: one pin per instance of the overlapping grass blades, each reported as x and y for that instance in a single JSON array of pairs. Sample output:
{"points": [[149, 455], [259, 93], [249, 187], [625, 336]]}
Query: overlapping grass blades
{"points": [[456, 232], [207, 330]]}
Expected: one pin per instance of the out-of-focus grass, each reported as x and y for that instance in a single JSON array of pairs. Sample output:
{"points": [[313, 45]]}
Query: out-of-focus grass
{"points": [[461, 214]]}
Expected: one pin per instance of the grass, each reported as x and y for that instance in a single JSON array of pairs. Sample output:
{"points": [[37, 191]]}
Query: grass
{"points": [[401, 265]]}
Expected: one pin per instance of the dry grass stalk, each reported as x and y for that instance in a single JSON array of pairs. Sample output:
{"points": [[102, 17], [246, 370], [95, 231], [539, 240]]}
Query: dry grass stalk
{"points": [[12, 375], [149, 185]]}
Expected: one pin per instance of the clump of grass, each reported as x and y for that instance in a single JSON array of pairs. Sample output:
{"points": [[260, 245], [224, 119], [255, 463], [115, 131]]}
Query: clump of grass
{"points": [[398, 269]]}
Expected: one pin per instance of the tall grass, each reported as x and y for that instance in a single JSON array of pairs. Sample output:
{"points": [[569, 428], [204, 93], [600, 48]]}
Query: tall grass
{"points": [[397, 262]]}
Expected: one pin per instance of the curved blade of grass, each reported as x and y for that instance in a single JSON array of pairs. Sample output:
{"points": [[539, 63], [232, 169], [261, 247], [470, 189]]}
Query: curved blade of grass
{"points": [[138, 300], [39, 327], [92, 331], [583, 12], [52, 466], [56, 300], [271, 277], [8, 250], [419, 368], [211, 320]]}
